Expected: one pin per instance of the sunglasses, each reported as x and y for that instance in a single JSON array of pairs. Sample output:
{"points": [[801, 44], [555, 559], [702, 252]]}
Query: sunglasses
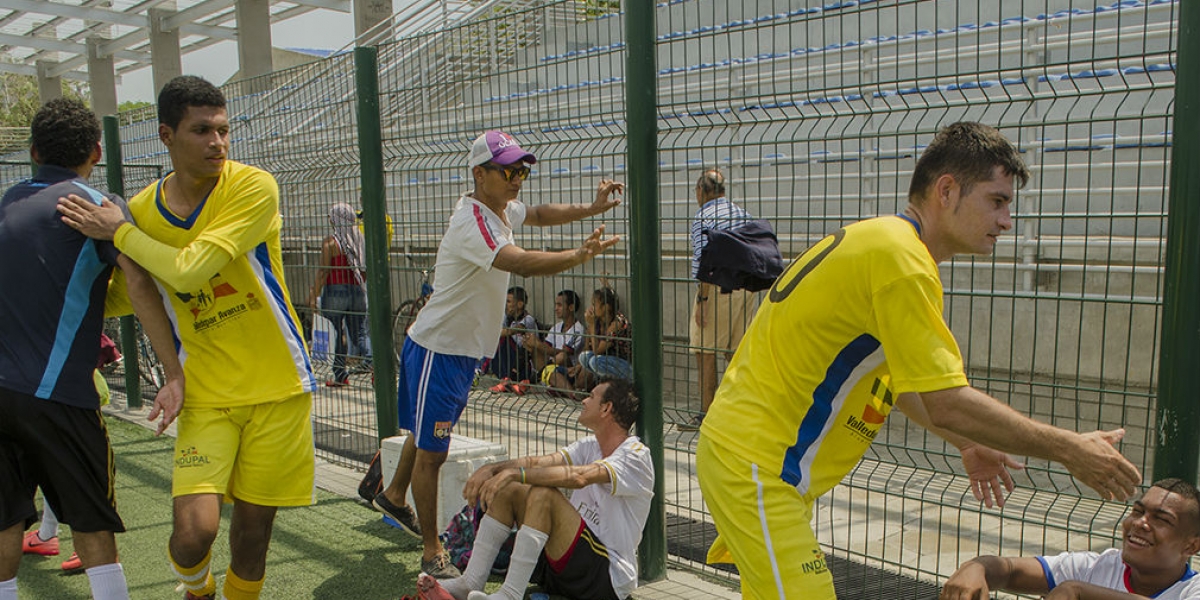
{"points": [[509, 172]]}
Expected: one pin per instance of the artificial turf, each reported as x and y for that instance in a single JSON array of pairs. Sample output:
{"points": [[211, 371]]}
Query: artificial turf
{"points": [[336, 549]]}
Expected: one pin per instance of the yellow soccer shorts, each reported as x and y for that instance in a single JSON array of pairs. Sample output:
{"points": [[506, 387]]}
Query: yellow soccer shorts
{"points": [[763, 526], [727, 316], [262, 453]]}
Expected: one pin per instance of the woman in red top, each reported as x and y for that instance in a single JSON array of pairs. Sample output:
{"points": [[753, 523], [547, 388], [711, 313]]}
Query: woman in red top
{"points": [[342, 289]]}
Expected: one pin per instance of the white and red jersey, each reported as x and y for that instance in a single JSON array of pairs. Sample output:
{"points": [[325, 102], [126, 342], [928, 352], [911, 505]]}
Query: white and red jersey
{"points": [[1108, 570], [466, 311]]}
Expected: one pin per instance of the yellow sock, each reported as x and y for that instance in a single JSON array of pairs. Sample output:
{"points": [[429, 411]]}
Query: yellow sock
{"points": [[237, 588], [198, 579]]}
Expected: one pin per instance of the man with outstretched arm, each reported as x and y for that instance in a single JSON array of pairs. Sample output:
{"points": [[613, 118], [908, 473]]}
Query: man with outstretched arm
{"points": [[209, 234], [851, 329], [461, 322]]}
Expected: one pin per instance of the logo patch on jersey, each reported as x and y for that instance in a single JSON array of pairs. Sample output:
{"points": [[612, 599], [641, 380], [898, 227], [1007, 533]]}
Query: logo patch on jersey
{"points": [[816, 566], [881, 403], [441, 429], [203, 302], [190, 457]]}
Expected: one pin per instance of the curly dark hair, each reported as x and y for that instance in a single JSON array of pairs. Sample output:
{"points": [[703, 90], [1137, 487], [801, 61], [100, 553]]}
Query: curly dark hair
{"points": [[182, 92], [970, 152], [626, 405], [64, 132]]}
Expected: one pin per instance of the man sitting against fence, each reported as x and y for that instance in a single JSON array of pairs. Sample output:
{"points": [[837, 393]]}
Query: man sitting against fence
{"points": [[555, 354], [1160, 535], [583, 548]]}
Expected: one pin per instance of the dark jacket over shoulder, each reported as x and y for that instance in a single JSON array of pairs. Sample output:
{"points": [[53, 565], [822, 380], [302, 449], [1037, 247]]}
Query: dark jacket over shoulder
{"points": [[745, 257]]}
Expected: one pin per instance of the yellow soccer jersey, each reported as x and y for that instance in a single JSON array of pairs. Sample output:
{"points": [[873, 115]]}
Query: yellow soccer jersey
{"points": [[852, 323], [238, 336]]}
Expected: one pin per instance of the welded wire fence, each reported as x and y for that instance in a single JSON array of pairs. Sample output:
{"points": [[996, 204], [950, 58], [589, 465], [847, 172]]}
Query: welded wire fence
{"points": [[816, 114]]}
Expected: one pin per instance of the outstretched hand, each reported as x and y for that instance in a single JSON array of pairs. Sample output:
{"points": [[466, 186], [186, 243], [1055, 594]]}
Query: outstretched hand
{"points": [[95, 221], [168, 403], [595, 244], [604, 192], [988, 469], [1097, 464]]}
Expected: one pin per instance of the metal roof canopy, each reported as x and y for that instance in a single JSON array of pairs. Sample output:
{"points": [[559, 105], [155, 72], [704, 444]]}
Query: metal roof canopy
{"points": [[56, 31]]}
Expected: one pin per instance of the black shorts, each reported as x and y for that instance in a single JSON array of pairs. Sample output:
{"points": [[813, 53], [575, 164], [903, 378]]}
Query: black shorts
{"points": [[585, 574], [65, 451]]}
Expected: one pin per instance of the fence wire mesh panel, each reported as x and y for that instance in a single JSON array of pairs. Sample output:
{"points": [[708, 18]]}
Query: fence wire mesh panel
{"points": [[516, 69], [817, 113]]}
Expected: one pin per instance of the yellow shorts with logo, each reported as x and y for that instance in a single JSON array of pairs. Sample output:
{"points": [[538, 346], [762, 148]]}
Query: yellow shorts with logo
{"points": [[763, 526], [262, 454]]}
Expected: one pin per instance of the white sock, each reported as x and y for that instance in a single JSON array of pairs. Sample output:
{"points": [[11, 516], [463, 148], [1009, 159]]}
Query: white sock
{"points": [[108, 582], [490, 536], [526, 551], [8, 589], [49, 527]]}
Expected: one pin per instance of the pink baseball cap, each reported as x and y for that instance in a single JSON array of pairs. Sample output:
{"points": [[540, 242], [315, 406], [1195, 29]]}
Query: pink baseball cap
{"points": [[498, 147]]}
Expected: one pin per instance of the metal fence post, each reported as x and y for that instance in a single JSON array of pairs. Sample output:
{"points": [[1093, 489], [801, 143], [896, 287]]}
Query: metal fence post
{"points": [[374, 205], [641, 102], [114, 171], [1178, 417]]}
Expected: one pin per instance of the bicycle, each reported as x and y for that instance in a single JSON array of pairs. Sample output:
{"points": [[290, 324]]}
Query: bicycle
{"points": [[406, 313], [149, 366]]}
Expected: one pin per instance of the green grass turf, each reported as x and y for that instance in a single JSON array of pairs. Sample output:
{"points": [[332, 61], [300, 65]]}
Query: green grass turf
{"points": [[337, 549]]}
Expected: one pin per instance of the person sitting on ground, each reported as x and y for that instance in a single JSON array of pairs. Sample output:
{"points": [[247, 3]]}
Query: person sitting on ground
{"points": [[1159, 537], [512, 361], [553, 356], [607, 349], [583, 548]]}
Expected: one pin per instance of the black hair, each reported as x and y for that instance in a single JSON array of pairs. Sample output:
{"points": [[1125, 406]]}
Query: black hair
{"points": [[712, 183], [608, 297], [182, 92], [64, 132], [518, 293], [626, 405], [571, 298], [968, 151], [1189, 493]]}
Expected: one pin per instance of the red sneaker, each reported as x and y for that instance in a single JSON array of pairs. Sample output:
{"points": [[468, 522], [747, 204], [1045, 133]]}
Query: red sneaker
{"points": [[505, 385], [520, 388], [32, 544], [73, 563]]}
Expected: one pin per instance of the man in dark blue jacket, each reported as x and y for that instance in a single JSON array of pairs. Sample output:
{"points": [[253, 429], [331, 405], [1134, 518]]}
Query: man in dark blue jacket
{"points": [[55, 282]]}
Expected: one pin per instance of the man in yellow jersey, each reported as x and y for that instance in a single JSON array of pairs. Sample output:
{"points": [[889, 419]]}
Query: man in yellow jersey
{"points": [[852, 328], [209, 234]]}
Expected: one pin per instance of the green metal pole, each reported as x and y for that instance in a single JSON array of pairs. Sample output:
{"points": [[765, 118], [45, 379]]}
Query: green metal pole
{"points": [[374, 206], [114, 171], [1178, 443], [641, 114]]}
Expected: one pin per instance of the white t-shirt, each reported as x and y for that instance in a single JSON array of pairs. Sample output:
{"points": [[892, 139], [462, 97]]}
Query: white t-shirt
{"points": [[465, 313], [1108, 570], [616, 513], [572, 337]]}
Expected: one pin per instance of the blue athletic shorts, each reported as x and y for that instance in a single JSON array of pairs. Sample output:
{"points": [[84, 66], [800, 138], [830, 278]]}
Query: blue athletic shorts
{"points": [[432, 393]]}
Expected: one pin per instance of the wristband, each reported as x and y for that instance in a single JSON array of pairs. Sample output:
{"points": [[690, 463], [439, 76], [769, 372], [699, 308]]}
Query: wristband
{"points": [[522, 474]]}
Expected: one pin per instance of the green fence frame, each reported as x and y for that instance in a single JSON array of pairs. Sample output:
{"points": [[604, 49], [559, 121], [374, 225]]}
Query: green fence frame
{"points": [[812, 140]]}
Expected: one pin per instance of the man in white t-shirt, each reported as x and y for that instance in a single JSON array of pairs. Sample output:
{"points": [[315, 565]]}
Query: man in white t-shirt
{"points": [[1160, 534], [584, 547], [461, 322], [553, 355]]}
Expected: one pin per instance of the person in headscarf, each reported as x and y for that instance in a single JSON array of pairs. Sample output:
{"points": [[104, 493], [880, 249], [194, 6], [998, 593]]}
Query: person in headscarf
{"points": [[341, 286]]}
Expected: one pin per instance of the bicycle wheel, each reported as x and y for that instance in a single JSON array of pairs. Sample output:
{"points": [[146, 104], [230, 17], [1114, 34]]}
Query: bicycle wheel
{"points": [[149, 366], [402, 320]]}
